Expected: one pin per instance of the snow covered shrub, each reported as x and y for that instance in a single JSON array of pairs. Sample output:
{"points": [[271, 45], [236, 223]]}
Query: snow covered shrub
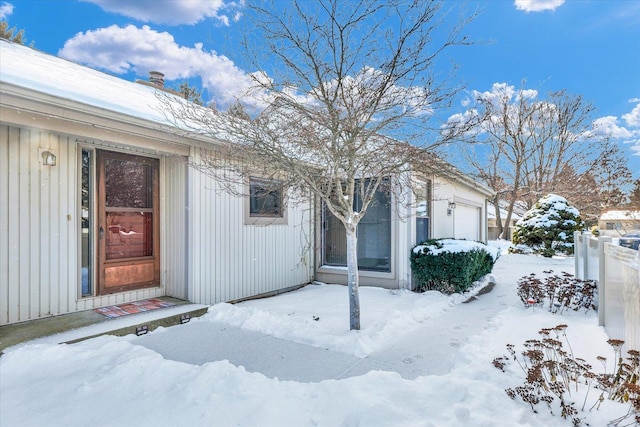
{"points": [[449, 265], [556, 378], [561, 292], [548, 228]]}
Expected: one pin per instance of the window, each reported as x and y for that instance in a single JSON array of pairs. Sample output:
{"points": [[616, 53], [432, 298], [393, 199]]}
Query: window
{"points": [[374, 236], [86, 223], [265, 204], [265, 198], [423, 212]]}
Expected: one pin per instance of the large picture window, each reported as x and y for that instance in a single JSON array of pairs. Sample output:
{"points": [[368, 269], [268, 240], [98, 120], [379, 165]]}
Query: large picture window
{"points": [[374, 236]]}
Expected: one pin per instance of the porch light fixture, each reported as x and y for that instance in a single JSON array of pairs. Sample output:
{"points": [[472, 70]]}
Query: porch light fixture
{"points": [[142, 330], [450, 208], [47, 157], [184, 318]]}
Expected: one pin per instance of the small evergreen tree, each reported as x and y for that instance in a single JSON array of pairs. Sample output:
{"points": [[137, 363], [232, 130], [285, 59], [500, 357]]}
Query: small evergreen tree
{"points": [[12, 34], [548, 228], [191, 93]]}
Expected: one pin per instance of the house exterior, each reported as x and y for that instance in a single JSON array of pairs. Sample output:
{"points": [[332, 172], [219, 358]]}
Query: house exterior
{"points": [[615, 223], [99, 206], [450, 205], [102, 202]]}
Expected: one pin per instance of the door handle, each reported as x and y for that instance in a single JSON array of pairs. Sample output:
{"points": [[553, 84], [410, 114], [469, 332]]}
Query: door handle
{"points": [[101, 232]]}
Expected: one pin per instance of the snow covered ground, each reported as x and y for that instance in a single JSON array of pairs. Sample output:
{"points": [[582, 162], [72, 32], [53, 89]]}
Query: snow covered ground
{"points": [[419, 360]]}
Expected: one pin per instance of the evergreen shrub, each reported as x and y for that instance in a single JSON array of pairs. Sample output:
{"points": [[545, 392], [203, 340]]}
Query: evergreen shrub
{"points": [[548, 228], [440, 264]]}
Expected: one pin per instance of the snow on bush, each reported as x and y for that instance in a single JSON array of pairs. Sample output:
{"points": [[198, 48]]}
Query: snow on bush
{"points": [[548, 228], [450, 265]]}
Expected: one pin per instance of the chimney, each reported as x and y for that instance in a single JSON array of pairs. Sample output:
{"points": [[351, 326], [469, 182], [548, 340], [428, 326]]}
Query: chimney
{"points": [[156, 78]]}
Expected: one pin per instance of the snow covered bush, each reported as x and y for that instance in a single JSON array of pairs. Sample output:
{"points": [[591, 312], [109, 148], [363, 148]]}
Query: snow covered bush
{"points": [[548, 228], [449, 265]]}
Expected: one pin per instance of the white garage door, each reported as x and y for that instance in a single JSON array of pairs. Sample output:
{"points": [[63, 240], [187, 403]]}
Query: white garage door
{"points": [[466, 223]]}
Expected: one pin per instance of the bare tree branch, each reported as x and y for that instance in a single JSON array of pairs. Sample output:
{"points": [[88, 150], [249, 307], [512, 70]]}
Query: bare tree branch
{"points": [[348, 96]]}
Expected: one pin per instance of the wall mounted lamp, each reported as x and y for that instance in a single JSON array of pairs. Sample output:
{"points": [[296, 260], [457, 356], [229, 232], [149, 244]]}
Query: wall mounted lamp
{"points": [[47, 158], [450, 208]]}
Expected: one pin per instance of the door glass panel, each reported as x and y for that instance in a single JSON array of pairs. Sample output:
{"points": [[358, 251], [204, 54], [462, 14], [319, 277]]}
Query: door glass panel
{"points": [[128, 184], [129, 234], [86, 224]]}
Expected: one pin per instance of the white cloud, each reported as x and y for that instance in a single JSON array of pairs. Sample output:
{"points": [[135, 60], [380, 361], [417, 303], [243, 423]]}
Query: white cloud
{"points": [[173, 12], [610, 125], [632, 119], [6, 9], [625, 129], [537, 5], [140, 50], [628, 133]]}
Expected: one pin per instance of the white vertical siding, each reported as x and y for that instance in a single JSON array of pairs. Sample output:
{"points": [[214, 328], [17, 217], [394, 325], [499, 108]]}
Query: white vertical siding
{"points": [[173, 233], [39, 229], [229, 260], [38, 252], [7, 251]]}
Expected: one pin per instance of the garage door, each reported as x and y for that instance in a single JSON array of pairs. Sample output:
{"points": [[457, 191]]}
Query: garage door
{"points": [[466, 223]]}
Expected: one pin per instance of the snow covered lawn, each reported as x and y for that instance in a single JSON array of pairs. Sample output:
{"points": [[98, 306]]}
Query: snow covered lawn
{"points": [[110, 381]]}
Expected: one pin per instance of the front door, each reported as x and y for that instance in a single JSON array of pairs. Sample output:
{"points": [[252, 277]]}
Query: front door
{"points": [[128, 222]]}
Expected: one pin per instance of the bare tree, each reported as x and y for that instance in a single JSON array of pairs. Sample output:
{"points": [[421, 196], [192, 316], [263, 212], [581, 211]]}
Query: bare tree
{"points": [[536, 144], [349, 84], [634, 195], [507, 123]]}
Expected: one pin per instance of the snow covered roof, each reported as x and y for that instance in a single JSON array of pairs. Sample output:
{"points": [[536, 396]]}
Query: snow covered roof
{"points": [[620, 215], [33, 72], [28, 68], [515, 215]]}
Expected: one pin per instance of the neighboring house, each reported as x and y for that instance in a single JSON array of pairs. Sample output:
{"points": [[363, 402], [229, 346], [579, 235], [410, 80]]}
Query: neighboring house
{"points": [[492, 225], [615, 223], [99, 205]]}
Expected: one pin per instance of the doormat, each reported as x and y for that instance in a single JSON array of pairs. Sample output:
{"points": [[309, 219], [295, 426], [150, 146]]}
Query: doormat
{"points": [[133, 307]]}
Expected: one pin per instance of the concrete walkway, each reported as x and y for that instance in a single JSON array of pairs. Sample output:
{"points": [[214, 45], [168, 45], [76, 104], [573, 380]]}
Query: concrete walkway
{"points": [[287, 360]]}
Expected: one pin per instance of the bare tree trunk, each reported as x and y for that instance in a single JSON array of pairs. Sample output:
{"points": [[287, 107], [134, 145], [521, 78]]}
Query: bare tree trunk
{"points": [[496, 204], [506, 235], [353, 277]]}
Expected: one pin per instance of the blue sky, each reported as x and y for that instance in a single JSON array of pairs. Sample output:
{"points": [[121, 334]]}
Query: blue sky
{"points": [[588, 47]]}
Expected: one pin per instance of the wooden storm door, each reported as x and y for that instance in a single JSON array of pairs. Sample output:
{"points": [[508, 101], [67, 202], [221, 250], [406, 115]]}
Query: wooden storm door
{"points": [[128, 222]]}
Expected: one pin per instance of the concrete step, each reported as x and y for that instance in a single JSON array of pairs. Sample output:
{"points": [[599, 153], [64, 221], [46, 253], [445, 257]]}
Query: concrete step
{"points": [[74, 327]]}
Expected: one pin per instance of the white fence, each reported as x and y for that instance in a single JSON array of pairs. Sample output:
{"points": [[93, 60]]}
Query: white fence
{"points": [[617, 270]]}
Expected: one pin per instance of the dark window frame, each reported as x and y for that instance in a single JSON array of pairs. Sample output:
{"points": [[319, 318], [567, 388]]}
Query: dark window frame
{"points": [[364, 263]]}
